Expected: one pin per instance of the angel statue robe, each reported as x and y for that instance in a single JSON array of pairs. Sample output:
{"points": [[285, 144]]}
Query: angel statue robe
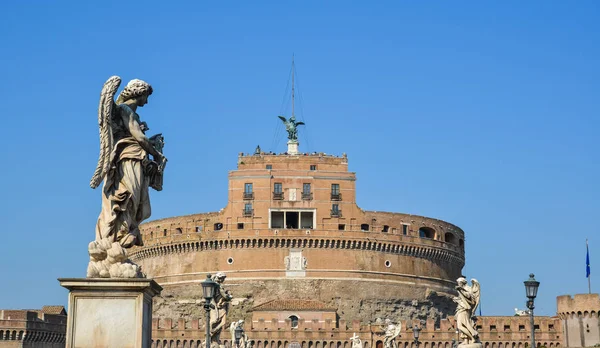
{"points": [[125, 198]]}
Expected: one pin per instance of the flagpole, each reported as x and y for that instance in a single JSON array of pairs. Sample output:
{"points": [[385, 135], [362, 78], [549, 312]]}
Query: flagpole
{"points": [[588, 266]]}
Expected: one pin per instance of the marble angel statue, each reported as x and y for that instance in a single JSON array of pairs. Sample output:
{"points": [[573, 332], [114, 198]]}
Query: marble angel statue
{"points": [[127, 170], [391, 332], [356, 341], [467, 302], [218, 314], [244, 341]]}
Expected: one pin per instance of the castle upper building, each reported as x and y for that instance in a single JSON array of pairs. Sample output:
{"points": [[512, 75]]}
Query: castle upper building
{"points": [[292, 230]]}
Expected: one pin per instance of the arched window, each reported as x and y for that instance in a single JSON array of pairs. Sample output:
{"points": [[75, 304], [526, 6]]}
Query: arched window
{"points": [[218, 226], [426, 232], [294, 320], [461, 243], [450, 238]]}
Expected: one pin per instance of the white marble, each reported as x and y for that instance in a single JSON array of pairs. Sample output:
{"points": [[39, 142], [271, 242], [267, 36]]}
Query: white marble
{"points": [[108, 313]]}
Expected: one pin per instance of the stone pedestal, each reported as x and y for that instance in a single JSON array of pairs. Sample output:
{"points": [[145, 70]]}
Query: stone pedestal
{"points": [[292, 147], [110, 313]]}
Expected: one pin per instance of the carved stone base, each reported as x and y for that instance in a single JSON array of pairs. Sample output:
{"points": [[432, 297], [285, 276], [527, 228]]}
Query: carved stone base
{"points": [[292, 147], [110, 312], [109, 260], [470, 345]]}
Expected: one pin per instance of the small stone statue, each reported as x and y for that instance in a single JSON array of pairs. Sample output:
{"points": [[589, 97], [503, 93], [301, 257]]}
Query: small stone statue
{"points": [[291, 127], [467, 302], [391, 332], [244, 341], [127, 171], [218, 314], [356, 342]]}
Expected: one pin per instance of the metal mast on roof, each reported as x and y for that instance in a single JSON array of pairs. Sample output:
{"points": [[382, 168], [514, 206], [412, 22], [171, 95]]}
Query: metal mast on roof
{"points": [[293, 73]]}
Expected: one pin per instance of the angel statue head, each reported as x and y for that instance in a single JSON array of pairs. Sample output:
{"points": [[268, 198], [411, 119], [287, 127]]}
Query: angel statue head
{"points": [[461, 281], [135, 89]]}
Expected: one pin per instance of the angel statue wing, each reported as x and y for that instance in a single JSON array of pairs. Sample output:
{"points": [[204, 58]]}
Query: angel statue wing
{"points": [[475, 290], [283, 119], [105, 113], [299, 123], [398, 329]]}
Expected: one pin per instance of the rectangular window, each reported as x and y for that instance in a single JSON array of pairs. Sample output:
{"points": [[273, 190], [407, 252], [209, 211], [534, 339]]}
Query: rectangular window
{"points": [[521, 327], [313, 167], [550, 327], [335, 192], [342, 227], [269, 167], [248, 209], [306, 194], [198, 228], [506, 327], [277, 191], [493, 328], [405, 229], [335, 210], [276, 219], [240, 225], [248, 194]]}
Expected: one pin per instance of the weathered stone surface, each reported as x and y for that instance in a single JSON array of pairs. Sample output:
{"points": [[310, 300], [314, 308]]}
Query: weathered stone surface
{"points": [[110, 313], [353, 299]]}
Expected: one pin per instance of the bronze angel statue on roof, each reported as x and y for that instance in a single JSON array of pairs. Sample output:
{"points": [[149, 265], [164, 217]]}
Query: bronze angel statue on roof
{"points": [[129, 164], [291, 127]]}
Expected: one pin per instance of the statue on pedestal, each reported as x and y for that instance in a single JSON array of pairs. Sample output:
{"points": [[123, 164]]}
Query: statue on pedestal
{"points": [[291, 127], [391, 332], [467, 302], [218, 314], [356, 342], [244, 341], [129, 164]]}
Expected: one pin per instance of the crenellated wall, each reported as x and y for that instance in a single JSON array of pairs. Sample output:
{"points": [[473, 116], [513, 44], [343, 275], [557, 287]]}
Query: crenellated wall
{"points": [[580, 319], [495, 332]]}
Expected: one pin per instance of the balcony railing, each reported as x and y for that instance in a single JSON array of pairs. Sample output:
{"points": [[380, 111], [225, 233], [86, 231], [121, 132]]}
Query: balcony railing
{"points": [[278, 196], [248, 212], [336, 196], [307, 196], [336, 213], [248, 195]]}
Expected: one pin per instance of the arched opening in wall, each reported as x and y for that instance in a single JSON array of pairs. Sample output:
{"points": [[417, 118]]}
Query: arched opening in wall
{"points": [[379, 344], [426, 232], [461, 243], [450, 238], [218, 226], [364, 227], [294, 321], [1, 334]]}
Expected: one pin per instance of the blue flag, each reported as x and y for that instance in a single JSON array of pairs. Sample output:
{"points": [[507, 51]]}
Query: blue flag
{"points": [[587, 260]]}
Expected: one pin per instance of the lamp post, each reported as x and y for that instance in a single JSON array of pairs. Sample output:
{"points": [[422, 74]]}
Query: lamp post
{"points": [[208, 291], [531, 288], [238, 335], [416, 330]]}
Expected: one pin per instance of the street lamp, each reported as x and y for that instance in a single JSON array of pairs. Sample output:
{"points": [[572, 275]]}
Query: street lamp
{"points": [[208, 291], [416, 330], [238, 335], [531, 288]]}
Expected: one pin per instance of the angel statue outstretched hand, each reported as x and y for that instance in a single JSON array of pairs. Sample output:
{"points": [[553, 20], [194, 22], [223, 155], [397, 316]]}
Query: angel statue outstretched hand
{"points": [[127, 170], [467, 302]]}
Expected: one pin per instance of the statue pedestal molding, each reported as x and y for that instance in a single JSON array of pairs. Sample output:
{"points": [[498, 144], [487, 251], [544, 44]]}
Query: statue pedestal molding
{"points": [[292, 147], [110, 312]]}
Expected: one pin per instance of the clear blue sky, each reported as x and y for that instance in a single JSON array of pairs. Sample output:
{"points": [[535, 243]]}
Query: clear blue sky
{"points": [[482, 114]]}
